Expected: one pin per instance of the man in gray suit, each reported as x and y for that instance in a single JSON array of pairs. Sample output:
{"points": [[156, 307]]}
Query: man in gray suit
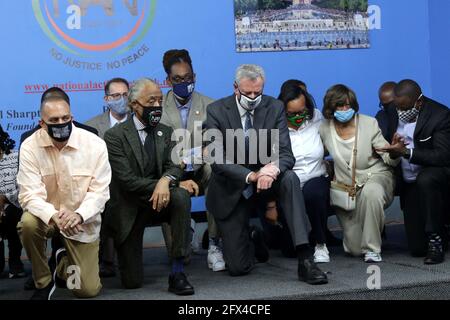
{"points": [[116, 99], [241, 177], [185, 109]]}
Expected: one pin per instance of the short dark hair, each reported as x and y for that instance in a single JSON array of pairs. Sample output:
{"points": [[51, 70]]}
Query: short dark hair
{"points": [[115, 80], [293, 82], [291, 91], [389, 85], [55, 92], [175, 56], [337, 96], [408, 88], [52, 99], [6, 144]]}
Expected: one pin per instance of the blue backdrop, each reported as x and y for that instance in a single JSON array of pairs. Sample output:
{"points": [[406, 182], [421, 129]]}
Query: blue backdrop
{"points": [[413, 42]]}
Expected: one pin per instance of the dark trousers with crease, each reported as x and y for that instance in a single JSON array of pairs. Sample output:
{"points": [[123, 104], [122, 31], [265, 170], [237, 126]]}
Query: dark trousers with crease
{"points": [[424, 205], [129, 253], [238, 249], [8, 230], [316, 193]]}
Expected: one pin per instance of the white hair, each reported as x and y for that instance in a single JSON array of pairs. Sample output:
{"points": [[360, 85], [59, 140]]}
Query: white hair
{"points": [[250, 71], [137, 87]]}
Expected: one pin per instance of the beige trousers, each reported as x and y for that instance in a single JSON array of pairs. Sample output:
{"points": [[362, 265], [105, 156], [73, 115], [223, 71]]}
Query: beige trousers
{"points": [[363, 226], [79, 267]]}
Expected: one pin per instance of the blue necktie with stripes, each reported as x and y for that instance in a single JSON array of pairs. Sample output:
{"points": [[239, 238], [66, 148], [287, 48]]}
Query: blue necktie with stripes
{"points": [[248, 191]]}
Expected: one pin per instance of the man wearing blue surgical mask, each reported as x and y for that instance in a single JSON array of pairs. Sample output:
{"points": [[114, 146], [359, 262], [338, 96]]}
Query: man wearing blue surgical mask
{"points": [[185, 108], [117, 111], [115, 103]]}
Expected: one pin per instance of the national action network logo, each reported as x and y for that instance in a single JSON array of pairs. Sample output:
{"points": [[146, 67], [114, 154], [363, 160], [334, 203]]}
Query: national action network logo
{"points": [[96, 34]]}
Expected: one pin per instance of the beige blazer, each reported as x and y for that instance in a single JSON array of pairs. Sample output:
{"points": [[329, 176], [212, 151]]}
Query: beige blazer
{"points": [[197, 114], [368, 162]]}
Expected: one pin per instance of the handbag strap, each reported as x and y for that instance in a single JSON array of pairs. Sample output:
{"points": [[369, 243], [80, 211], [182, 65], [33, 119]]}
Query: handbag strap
{"points": [[355, 153], [354, 150]]}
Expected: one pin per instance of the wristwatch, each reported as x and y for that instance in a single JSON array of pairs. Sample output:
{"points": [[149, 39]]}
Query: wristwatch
{"points": [[173, 181], [407, 154]]}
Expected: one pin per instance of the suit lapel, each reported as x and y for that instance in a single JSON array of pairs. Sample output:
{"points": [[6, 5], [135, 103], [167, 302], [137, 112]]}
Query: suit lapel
{"points": [[105, 123], [160, 143], [233, 115], [423, 118], [133, 139], [172, 110]]}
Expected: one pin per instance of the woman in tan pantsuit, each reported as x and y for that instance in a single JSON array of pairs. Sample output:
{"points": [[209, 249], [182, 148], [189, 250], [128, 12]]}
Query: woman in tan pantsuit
{"points": [[375, 182]]}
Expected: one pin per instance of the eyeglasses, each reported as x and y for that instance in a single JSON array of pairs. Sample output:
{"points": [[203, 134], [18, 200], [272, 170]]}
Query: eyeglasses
{"points": [[178, 79], [117, 96]]}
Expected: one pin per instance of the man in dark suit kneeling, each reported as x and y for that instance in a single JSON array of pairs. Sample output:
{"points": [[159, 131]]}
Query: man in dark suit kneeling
{"points": [[144, 187], [424, 171], [256, 168]]}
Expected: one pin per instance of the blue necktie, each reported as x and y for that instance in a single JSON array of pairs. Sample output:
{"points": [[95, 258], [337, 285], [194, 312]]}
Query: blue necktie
{"points": [[248, 191]]}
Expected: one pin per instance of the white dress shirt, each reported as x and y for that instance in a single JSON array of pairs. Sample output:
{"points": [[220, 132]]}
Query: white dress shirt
{"points": [[308, 149], [406, 130], [113, 121]]}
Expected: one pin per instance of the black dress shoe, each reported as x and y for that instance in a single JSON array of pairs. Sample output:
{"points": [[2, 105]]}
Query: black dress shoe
{"points": [[310, 273], [107, 270], [44, 293], [435, 254], [29, 284], [179, 284], [261, 251]]}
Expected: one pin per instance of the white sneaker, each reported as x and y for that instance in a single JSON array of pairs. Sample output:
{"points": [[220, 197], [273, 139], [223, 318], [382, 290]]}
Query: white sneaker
{"points": [[215, 259], [321, 254], [371, 257]]}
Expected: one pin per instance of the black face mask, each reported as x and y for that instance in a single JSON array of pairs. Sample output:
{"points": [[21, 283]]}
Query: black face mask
{"points": [[152, 116], [60, 132]]}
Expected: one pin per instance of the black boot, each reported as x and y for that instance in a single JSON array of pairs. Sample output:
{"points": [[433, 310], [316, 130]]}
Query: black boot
{"points": [[435, 253], [44, 293]]}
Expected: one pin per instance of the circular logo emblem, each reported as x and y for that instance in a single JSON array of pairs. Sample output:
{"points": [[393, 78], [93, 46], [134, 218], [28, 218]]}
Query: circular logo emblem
{"points": [[95, 27]]}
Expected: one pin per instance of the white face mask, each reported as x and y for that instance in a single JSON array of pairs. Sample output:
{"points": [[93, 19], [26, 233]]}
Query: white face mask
{"points": [[249, 103]]}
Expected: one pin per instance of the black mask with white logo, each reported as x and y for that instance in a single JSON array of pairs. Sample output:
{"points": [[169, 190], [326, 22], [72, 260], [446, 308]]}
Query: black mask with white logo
{"points": [[60, 132], [152, 116]]}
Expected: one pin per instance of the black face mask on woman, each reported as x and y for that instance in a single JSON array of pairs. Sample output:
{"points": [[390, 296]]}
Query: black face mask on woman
{"points": [[60, 132]]}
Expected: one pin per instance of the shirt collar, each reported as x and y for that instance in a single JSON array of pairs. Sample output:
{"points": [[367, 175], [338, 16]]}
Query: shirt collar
{"points": [[138, 124], [113, 120], [44, 140], [183, 106]]}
